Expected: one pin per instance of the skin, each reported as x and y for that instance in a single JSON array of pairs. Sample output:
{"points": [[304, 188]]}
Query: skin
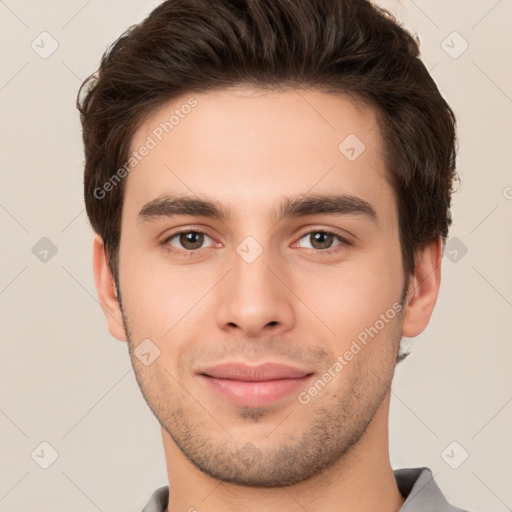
{"points": [[295, 304]]}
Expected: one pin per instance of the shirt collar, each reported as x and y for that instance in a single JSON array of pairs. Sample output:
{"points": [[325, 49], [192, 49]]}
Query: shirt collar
{"points": [[422, 493], [417, 485]]}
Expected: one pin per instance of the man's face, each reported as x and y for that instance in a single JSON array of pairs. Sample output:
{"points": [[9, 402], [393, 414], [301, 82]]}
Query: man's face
{"points": [[255, 289]]}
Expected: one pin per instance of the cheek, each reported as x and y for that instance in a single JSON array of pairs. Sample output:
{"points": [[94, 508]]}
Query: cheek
{"points": [[156, 294], [157, 299], [352, 295]]}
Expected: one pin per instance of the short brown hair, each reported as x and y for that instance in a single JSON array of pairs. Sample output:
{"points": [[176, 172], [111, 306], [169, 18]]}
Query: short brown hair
{"points": [[341, 46]]}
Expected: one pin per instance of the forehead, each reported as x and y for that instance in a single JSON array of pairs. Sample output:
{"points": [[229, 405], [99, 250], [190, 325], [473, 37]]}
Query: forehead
{"points": [[251, 147]]}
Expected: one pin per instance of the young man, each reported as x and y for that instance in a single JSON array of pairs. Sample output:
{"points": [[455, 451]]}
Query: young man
{"points": [[269, 182]]}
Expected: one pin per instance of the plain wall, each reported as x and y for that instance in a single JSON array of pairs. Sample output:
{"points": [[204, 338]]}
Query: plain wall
{"points": [[65, 381]]}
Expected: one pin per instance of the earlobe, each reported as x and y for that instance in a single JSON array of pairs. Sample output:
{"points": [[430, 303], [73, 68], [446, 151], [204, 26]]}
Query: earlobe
{"points": [[423, 290], [105, 286]]}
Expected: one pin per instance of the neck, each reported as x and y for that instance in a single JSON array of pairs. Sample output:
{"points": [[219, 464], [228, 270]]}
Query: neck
{"points": [[363, 480]]}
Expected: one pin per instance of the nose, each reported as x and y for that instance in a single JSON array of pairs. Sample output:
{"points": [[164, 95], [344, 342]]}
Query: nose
{"points": [[255, 299]]}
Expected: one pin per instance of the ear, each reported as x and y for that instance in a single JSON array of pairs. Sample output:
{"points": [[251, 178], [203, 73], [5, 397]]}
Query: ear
{"points": [[422, 290], [107, 294]]}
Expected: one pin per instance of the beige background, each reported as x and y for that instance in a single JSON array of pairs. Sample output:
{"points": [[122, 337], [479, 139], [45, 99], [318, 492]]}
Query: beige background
{"points": [[66, 382]]}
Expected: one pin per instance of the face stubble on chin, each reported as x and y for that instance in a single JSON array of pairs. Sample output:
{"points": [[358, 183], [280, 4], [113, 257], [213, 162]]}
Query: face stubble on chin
{"points": [[332, 426]]}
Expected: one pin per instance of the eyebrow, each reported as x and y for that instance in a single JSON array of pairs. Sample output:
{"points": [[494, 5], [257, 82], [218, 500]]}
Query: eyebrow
{"points": [[290, 207]]}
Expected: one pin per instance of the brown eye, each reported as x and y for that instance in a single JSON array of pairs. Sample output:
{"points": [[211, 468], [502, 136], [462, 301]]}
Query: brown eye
{"points": [[321, 240], [188, 240]]}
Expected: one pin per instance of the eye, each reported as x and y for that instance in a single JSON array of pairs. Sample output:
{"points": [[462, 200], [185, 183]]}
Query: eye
{"points": [[322, 240], [190, 241], [187, 240]]}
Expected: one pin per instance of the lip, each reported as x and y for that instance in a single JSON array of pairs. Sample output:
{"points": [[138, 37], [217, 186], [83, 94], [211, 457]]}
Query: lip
{"points": [[254, 373], [253, 386]]}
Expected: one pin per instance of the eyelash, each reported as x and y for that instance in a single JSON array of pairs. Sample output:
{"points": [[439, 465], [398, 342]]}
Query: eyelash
{"points": [[344, 243]]}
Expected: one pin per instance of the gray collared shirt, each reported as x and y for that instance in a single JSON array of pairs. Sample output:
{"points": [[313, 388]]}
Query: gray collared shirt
{"points": [[417, 485]]}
